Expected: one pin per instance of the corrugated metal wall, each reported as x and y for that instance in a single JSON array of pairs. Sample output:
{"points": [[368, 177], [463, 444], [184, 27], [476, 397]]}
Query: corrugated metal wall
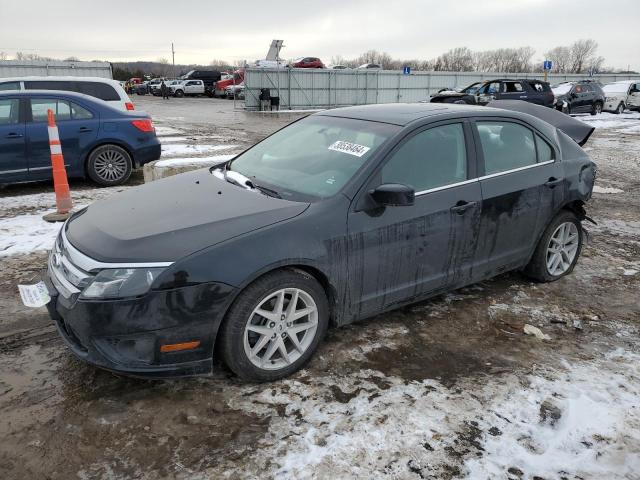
{"points": [[24, 68], [320, 88]]}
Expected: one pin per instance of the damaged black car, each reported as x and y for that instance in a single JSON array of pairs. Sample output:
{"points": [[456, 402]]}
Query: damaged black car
{"points": [[340, 216]]}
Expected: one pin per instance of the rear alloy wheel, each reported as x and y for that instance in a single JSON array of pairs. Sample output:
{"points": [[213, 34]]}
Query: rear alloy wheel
{"points": [[558, 250], [274, 326], [109, 165], [597, 108], [620, 108]]}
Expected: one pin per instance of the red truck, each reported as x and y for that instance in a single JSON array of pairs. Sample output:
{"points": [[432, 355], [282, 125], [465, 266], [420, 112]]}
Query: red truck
{"points": [[238, 77]]}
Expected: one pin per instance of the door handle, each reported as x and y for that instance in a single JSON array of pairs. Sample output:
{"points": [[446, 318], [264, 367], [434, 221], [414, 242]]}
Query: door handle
{"points": [[84, 129], [553, 182], [462, 207], [14, 135]]}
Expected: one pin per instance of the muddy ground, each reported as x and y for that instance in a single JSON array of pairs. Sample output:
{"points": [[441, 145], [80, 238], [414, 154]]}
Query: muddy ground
{"points": [[449, 388]]}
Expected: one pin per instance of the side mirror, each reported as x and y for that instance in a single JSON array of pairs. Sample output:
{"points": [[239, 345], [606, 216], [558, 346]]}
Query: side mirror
{"points": [[393, 194]]}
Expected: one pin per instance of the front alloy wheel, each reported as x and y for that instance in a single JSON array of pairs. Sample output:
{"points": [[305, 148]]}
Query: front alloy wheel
{"points": [[274, 326], [620, 108], [280, 329]]}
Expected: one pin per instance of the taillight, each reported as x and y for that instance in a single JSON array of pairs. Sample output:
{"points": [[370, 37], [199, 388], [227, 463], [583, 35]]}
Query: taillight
{"points": [[145, 125], [129, 106]]}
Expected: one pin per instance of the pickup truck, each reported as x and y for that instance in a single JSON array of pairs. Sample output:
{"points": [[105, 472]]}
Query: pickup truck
{"points": [[188, 87], [481, 93]]}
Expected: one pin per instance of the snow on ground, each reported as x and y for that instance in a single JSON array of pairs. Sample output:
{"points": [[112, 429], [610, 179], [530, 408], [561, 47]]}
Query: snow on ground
{"points": [[556, 420], [598, 189], [175, 162], [47, 201], [611, 120], [186, 149], [164, 130], [26, 234]]}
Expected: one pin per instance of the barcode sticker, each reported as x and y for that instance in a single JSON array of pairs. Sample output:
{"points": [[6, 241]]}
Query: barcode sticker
{"points": [[349, 148]]}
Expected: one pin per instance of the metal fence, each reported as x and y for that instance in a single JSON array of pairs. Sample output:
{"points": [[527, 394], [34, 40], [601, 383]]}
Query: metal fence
{"points": [[323, 88], [26, 68]]}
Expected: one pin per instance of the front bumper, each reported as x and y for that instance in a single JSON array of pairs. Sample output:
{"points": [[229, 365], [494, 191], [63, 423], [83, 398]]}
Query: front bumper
{"points": [[124, 336]]}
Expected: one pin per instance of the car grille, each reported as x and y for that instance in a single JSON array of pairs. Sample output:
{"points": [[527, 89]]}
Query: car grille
{"points": [[66, 275]]}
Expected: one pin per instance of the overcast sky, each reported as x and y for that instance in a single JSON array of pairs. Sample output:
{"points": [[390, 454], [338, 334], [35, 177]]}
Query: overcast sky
{"points": [[118, 30]]}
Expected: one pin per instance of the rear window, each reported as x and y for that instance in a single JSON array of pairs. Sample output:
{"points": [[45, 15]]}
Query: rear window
{"points": [[540, 87], [99, 90], [10, 86]]}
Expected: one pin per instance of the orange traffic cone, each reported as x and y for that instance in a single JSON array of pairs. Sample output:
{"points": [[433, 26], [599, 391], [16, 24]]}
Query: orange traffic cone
{"points": [[60, 182]]}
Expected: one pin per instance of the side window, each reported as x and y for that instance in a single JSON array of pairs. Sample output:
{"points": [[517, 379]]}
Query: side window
{"points": [[432, 158], [80, 113], [99, 90], [490, 88], [578, 89], [545, 152], [9, 111], [506, 146], [512, 87], [10, 86], [49, 85], [39, 107]]}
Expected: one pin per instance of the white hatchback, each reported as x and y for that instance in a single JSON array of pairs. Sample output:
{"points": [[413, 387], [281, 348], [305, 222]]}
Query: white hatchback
{"points": [[103, 88]]}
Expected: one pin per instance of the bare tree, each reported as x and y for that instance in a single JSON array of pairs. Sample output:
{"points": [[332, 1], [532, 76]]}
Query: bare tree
{"points": [[561, 58], [582, 54], [455, 60], [3, 55]]}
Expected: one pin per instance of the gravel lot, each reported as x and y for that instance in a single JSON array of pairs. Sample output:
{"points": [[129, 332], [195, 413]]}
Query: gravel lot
{"points": [[450, 388]]}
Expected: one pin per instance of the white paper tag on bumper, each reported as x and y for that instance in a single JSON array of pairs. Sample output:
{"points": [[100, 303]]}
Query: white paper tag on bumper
{"points": [[34, 295], [349, 148]]}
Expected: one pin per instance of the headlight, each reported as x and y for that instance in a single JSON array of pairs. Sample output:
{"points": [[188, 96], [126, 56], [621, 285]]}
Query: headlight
{"points": [[121, 282]]}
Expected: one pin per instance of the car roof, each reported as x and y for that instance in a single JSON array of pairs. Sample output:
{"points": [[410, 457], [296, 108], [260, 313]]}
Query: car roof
{"points": [[398, 113], [44, 93], [61, 79]]}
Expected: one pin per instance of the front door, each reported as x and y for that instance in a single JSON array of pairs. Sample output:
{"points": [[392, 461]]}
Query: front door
{"points": [[399, 254], [633, 100], [522, 186], [13, 160]]}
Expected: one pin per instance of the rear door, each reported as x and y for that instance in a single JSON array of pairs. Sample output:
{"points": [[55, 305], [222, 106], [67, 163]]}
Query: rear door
{"points": [[77, 126], [13, 160], [521, 185], [513, 90], [398, 254]]}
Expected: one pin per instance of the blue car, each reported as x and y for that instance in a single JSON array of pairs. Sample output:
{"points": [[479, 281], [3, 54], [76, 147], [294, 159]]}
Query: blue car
{"points": [[98, 141]]}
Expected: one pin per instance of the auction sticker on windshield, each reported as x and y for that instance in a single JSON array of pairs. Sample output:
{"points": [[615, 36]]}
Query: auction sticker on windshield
{"points": [[349, 148], [34, 295]]}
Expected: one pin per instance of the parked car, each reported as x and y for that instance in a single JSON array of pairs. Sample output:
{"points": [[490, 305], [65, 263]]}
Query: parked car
{"points": [[98, 141], [103, 88], [481, 93], [236, 91], [221, 86], [621, 95], [188, 88], [339, 67], [307, 62], [207, 77], [370, 66], [142, 89], [154, 85], [340, 216], [579, 97]]}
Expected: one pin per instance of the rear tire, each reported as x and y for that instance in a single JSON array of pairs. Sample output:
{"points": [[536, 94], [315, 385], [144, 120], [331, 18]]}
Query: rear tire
{"points": [[179, 94], [597, 108], [558, 250], [109, 165], [251, 344]]}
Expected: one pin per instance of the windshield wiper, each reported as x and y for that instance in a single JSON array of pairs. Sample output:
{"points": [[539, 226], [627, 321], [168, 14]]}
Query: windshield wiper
{"points": [[267, 191]]}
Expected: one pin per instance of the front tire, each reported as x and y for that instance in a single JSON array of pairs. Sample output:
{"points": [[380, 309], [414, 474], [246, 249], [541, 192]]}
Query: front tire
{"points": [[620, 109], [558, 249], [109, 165], [274, 326], [179, 93]]}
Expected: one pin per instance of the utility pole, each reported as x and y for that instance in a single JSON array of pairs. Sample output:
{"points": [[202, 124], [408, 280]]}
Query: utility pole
{"points": [[173, 59]]}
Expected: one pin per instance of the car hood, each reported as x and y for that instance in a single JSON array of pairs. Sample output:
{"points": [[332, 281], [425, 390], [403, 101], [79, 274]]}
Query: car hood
{"points": [[168, 219]]}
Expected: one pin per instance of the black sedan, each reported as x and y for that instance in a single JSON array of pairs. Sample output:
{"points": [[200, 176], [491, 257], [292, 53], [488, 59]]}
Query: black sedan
{"points": [[340, 216]]}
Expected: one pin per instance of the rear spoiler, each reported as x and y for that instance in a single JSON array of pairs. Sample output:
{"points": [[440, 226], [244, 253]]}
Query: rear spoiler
{"points": [[577, 130]]}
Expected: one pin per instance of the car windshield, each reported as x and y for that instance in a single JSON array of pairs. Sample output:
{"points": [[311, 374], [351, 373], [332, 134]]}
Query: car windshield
{"points": [[473, 88], [562, 88], [314, 157], [616, 88]]}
